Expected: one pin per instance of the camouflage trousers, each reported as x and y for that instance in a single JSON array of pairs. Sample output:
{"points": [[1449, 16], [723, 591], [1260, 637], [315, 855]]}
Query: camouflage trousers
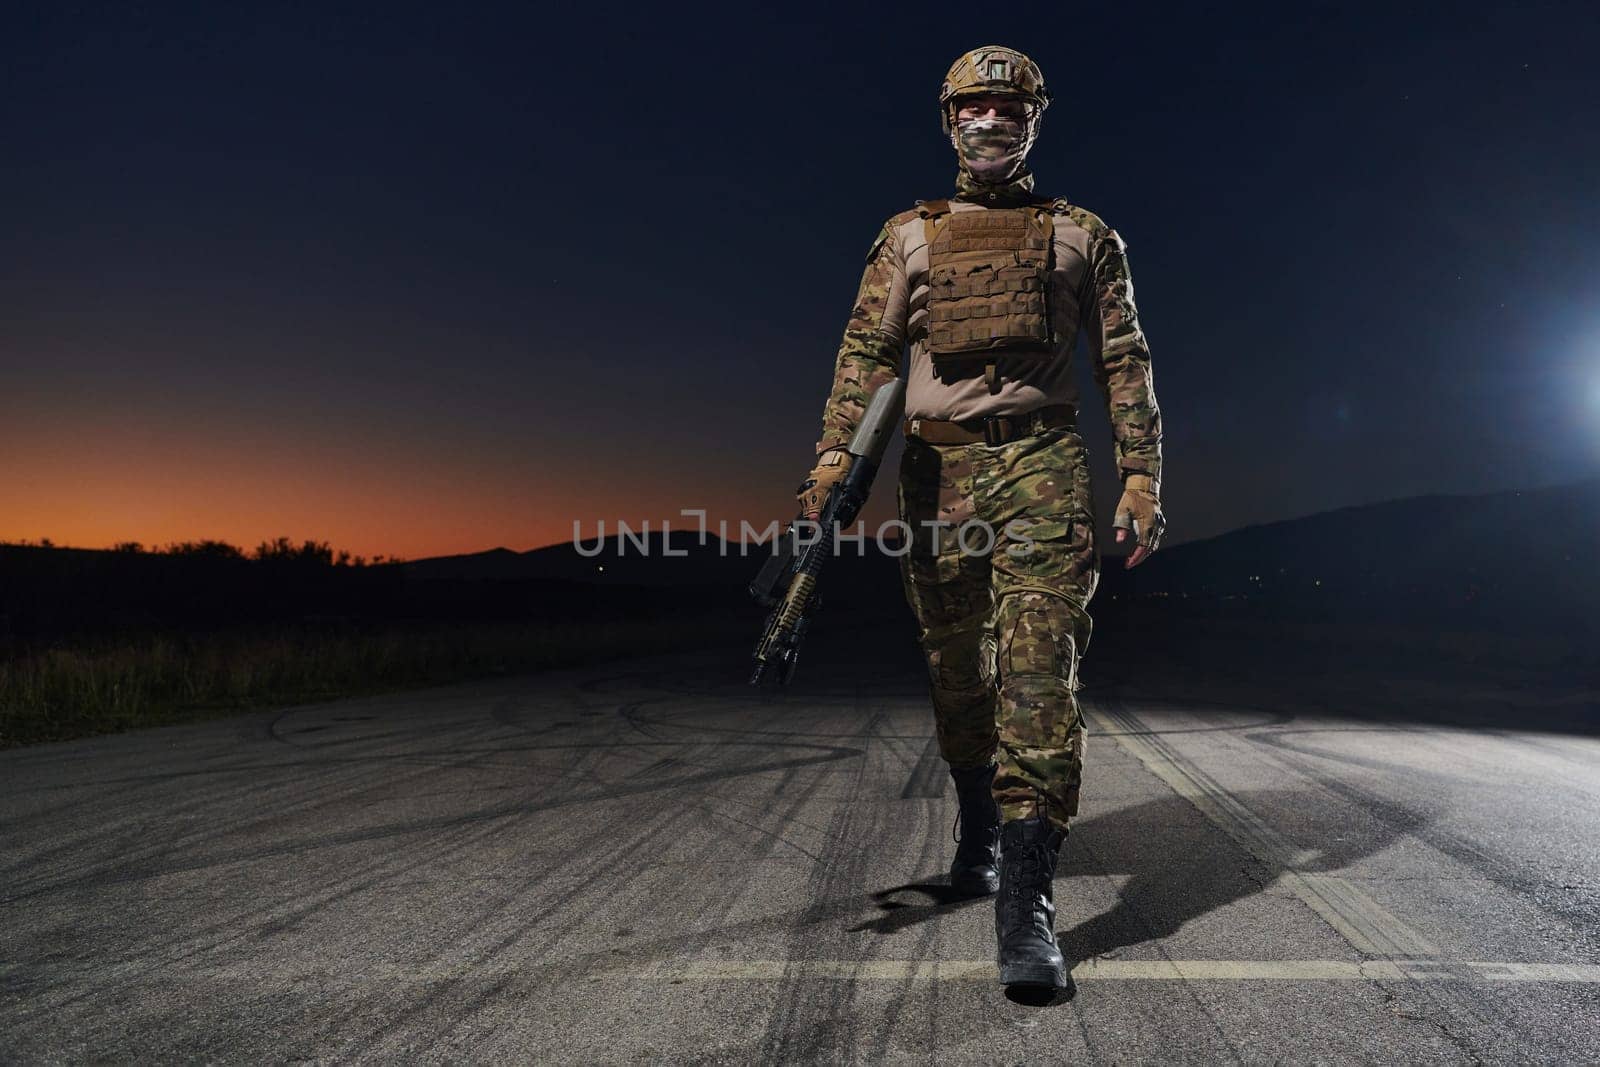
{"points": [[1000, 570]]}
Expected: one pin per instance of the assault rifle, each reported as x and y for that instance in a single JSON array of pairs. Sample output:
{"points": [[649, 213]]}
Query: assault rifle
{"points": [[787, 582]]}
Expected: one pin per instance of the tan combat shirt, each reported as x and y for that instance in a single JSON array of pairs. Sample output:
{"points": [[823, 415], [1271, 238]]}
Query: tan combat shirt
{"points": [[1089, 289]]}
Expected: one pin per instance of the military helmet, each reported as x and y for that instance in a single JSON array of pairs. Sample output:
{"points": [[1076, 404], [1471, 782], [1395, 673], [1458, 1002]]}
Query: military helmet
{"points": [[992, 69]]}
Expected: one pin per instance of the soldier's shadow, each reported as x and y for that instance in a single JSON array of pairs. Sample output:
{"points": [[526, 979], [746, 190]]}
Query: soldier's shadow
{"points": [[897, 914], [1179, 866]]}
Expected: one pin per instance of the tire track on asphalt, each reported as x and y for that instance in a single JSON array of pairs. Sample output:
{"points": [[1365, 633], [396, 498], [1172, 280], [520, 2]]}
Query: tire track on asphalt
{"points": [[191, 943], [146, 863], [726, 892], [1368, 927], [585, 882], [1150, 936], [1501, 871], [308, 775], [801, 1016]]}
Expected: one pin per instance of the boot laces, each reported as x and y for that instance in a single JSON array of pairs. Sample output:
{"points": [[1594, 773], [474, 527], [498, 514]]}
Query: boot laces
{"points": [[1031, 868]]}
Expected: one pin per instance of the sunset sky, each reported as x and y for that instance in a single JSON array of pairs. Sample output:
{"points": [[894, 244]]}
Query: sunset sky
{"points": [[415, 279]]}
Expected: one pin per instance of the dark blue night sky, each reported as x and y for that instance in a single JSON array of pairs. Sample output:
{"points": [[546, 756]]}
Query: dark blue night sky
{"points": [[421, 279]]}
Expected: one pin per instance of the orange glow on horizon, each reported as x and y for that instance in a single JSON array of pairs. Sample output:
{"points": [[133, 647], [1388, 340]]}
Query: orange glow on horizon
{"points": [[389, 489], [364, 510]]}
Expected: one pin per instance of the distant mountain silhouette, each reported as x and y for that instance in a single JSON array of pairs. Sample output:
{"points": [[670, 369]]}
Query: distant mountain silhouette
{"points": [[1507, 562], [616, 561], [1525, 556], [1528, 554]]}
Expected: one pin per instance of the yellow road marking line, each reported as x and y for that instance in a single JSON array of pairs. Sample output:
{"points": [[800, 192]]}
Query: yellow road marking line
{"points": [[1360, 920], [1131, 971], [928, 970]]}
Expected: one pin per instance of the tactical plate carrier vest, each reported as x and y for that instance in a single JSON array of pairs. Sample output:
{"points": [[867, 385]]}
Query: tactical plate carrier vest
{"points": [[987, 284]]}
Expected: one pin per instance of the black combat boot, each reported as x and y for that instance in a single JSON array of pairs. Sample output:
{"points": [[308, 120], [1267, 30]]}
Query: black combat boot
{"points": [[973, 872], [1024, 912]]}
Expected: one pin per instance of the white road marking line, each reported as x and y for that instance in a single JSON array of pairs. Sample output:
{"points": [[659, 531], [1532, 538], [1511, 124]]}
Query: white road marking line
{"points": [[1360, 920]]}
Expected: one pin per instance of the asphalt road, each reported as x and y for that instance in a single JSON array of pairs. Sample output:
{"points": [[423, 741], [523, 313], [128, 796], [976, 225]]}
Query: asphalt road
{"points": [[645, 862]]}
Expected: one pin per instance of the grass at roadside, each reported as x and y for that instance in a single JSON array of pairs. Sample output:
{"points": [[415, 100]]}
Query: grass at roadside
{"points": [[154, 679]]}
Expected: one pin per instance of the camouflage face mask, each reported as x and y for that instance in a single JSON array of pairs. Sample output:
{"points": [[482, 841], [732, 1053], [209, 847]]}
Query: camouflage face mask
{"points": [[991, 149]]}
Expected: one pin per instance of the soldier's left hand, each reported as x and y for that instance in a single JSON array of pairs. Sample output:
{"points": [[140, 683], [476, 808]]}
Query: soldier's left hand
{"points": [[1139, 512]]}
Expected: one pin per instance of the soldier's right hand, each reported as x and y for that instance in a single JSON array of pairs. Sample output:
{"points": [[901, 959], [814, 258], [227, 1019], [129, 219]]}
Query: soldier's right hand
{"points": [[831, 468]]}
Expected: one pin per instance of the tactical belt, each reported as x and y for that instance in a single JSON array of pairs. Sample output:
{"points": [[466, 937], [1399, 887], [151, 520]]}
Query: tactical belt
{"points": [[992, 429]]}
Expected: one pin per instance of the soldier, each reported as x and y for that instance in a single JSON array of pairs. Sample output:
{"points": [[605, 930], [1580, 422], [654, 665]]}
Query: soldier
{"points": [[991, 289]]}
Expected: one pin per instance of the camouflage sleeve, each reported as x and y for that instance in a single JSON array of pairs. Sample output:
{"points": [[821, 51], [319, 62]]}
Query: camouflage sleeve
{"points": [[1121, 360], [869, 356]]}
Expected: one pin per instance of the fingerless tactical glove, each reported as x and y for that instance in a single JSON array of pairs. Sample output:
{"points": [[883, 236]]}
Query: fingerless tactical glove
{"points": [[1139, 510], [831, 468]]}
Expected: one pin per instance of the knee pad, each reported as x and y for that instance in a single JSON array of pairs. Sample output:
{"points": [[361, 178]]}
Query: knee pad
{"points": [[1036, 661], [1037, 633]]}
